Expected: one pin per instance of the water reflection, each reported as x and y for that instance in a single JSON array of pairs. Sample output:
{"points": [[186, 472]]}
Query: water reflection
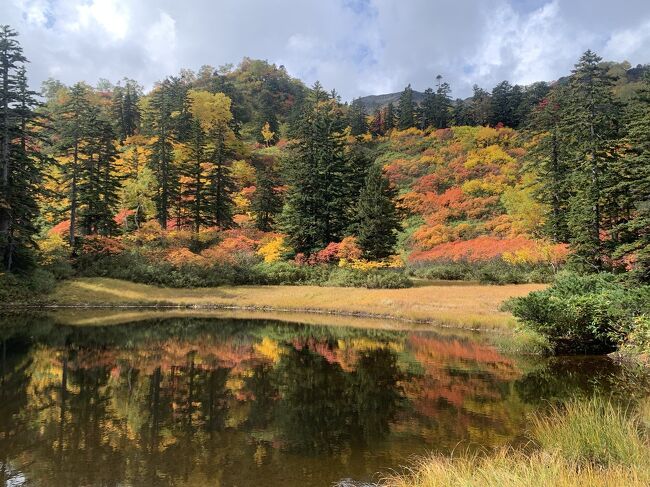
{"points": [[190, 401]]}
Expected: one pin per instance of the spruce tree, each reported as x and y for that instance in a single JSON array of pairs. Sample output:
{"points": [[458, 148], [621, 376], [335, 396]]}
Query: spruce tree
{"points": [[442, 105], [548, 159], [267, 202], [315, 210], [406, 109], [357, 118], [73, 127], [377, 221], [428, 109], [376, 126], [195, 174], [161, 106], [590, 124], [633, 184], [221, 186], [21, 160], [389, 117]]}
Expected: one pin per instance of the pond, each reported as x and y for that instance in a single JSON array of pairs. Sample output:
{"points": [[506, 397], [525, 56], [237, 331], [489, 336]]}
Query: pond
{"points": [[194, 401]]}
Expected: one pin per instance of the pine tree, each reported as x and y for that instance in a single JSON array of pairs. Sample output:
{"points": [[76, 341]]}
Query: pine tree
{"points": [[406, 109], [590, 124], [267, 202], [377, 221], [357, 118], [315, 210]]}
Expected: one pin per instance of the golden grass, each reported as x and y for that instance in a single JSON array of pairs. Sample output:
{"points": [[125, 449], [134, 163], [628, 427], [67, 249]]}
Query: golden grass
{"points": [[467, 306], [586, 443], [508, 468]]}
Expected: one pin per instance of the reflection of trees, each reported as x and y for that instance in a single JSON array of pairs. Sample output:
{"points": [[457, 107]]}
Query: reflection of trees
{"points": [[197, 401], [14, 434], [322, 406], [564, 377]]}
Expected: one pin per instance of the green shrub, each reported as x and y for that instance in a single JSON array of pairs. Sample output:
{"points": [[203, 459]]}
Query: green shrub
{"points": [[132, 266], [23, 287], [591, 313], [495, 271]]}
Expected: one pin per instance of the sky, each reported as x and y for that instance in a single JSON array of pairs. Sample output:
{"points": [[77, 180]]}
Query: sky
{"points": [[358, 47]]}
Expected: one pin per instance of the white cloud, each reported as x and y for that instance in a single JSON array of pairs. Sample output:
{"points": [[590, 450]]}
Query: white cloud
{"points": [[357, 47]]}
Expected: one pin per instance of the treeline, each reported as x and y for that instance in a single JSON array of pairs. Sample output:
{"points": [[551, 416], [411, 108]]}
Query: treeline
{"points": [[505, 105]]}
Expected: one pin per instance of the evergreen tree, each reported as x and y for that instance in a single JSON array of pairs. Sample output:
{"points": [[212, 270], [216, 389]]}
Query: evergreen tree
{"points": [[73, 126], [267, 202], [377, 221], [126, 112], [428, 109], [194, 172], [376, 126], [220, 184], [389, 118], [357, 118], [161, 106], [590, 124], [442, 105], [406, 109], [97, 180], [481, 106], [21, 160], [549, 160], [315, 210], [633, 185], [358, 160]]}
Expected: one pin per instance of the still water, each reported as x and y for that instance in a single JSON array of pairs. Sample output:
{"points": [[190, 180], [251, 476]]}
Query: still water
{"points": [[231, 402]]}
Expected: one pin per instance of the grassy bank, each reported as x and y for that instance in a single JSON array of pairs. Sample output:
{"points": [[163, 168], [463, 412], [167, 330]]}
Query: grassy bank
{"points": [[591, 443], [466, 306]]}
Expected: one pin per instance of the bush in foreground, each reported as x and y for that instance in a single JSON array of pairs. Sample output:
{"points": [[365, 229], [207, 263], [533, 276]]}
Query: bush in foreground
{"points": [[584, 313], [584, 443]]}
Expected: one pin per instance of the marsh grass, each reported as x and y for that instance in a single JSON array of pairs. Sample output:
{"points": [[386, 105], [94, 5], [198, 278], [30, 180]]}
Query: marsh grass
{"points": [[594, 432], [583, 443], [469, 306]]}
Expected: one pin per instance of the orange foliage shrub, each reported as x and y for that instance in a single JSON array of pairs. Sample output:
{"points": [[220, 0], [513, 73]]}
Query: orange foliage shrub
{"points": [[98, 245], [479, 249], [183, 256]]}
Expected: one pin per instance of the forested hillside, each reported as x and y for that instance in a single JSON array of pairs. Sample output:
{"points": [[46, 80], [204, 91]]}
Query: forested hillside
{"points": [[245, 168]]}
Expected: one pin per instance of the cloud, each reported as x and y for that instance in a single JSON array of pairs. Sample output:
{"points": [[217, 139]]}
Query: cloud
{"points": [[358, 47]]}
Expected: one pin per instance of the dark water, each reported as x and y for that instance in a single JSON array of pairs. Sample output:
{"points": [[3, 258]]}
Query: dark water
{"points": [[198, 402]]}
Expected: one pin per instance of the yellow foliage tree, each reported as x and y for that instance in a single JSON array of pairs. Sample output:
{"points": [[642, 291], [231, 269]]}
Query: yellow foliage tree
{"points": [[267, 134]]}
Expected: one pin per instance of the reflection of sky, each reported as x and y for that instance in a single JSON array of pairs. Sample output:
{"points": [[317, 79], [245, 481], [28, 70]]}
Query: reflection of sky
{"points": [[357, 47]]}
